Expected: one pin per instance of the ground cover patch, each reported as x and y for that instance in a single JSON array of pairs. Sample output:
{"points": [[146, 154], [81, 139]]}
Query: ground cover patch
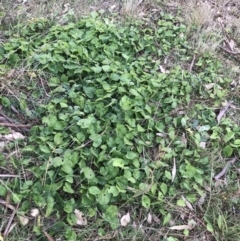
{"points": [[115, 130]]}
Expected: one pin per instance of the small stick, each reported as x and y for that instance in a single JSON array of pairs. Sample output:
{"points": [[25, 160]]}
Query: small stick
{"points": [[10, 221], [44, 87], [15, 125], [192, 63], [228, 51], [224, 170], [8, 175], [5, 204]]}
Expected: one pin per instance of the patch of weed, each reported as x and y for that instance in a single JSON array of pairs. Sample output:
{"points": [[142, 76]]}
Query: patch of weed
{"points": [[118, 129]]}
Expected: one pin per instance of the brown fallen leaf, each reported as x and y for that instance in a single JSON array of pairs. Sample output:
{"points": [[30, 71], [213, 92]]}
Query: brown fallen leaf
{"points": [[202, 144], [189, 205], [80, 219], [181, 227], [163, 70], [223, 111], [174, 170], [125, 220], [155, 219], [10, 73], [12, 137], [34, 212], [231, 44], [23, 220], [149, 218], [209, 86]]}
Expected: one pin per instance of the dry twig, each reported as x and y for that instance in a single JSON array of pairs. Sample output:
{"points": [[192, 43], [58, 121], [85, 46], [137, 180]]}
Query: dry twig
{"points": [[224, 170]]}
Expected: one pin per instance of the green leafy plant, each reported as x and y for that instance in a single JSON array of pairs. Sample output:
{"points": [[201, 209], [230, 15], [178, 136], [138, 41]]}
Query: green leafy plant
{"points": [[115, 122]]}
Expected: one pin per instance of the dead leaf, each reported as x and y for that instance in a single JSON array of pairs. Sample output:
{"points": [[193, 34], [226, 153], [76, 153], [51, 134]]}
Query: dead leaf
{"points": [[174, 170], [161, 134], [162, 69], [155, 219], [202, 144], [80, 219], [49, 238], [66, 7], [181, 35], [201, 200], [149, 218], [2, 145], [231, 44], [209, 86], [223, 111], [34, 212], [23, 220], [13, 136], [112, 7], [189, 205], [10, 74], [181, 227], [125, 220], [183, 139]]}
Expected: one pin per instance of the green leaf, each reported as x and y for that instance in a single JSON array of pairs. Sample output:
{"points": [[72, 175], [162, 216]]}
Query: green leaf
{"points": [[56, 161], [57, 138], [50, 205], [168, 175], [132, 155], [69, 206], [167, 219], [97, 141], [127, 142], [104, 198], [204, 128], [86, 123], [50, 120], [67, 169], [94, 190], [183, 122], [106, 68], [67, 188], [125, 103], [181, 203], [237, 142], [63, 105], [45, 149], [96, 69], [229, 136], [210, 227], [227, 151], [164, 188], [110, 215], [114, 191], [88, 173], [118, 162], [140, 129], [5, 101], [146, 202]]}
